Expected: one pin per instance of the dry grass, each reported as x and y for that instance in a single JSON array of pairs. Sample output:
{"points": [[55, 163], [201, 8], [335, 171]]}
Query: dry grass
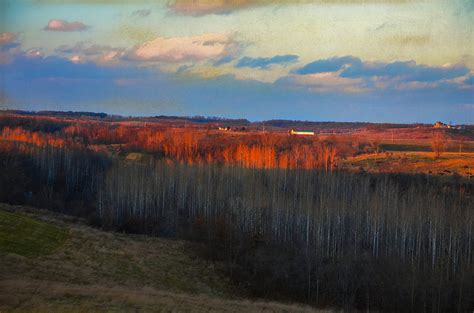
{"points": [[96, 271], [413, 162], [46, 296]]}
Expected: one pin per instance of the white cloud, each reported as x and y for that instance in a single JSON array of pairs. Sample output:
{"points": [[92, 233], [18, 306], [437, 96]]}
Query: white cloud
{"points": [[34, 53], [76, 59], [178, 49]]}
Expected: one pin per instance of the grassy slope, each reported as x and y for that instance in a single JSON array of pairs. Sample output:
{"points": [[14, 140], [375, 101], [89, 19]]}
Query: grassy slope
{"points": [[413, 162], [51, 263], [28, 237]]}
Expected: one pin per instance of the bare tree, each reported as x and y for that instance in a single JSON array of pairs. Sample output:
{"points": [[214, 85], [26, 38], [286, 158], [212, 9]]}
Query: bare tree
{"points": [[438, 143], [461, 141], [375, 143]]}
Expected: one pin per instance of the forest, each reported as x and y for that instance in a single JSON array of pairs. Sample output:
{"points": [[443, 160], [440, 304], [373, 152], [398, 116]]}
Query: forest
{"points": [[191, 145], [274, 209]]}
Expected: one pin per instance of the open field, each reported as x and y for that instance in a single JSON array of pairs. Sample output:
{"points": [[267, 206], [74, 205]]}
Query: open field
{"points": [[29, 237], [448, 163], [76, 268]]}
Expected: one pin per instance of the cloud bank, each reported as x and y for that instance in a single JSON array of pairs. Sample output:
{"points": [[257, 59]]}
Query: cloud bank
{"points": [[408, 71], [57, 83], [65, 26]]}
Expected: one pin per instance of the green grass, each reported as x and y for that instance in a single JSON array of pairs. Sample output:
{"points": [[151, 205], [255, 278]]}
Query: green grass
{"points": [[84, 269], [24, 236]]}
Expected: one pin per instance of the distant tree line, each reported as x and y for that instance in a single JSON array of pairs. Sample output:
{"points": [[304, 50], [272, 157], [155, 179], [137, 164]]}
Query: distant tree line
{"points": [[213, 119], [72, 114], [393, 243]]}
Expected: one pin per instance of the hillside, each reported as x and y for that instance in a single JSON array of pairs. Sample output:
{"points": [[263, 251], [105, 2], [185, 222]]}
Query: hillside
{"points": [[413, 162], [55, 263]]}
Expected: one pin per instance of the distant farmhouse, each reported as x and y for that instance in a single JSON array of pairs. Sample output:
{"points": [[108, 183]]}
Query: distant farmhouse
{"points": [[301, 132], [237, 129], [439, 124]]}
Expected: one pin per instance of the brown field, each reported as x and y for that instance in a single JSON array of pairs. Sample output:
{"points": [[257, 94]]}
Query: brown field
{"points": [[448, 163]]}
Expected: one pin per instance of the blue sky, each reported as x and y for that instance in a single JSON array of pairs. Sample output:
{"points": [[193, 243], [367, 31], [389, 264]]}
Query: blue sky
{"points": [[322, 60]]}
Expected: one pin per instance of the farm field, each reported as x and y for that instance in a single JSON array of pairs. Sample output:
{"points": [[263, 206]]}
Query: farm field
{"points": [[448, 163]]}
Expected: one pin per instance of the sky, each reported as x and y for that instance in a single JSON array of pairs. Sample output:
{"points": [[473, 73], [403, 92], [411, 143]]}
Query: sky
{"points": [[399, 61]]}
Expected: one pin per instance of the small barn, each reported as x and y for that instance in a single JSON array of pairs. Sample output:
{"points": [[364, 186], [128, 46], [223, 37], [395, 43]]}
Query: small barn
{"points": [[439, 124], [301, 132]]}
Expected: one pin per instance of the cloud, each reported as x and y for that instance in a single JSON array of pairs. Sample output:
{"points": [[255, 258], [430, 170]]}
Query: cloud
{"points": [[65, 26], [34, 53], [141, 13], [7, 38], [178, 49], [327, 65], [352, 67], [66, 68], [470, 80], [224, 60], [58, 84], [203, 7], [76, 59], [83, 51], [405, 70], [9, 46], [202, 72], [264, 63], [86, 49]]}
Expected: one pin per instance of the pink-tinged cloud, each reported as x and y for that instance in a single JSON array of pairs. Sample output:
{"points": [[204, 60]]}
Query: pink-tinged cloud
{"points": [[6, 38], [76, 59], [100, 54], [65, 26], [177, 49], [9, 47], [34, 53], [110, 58]]}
